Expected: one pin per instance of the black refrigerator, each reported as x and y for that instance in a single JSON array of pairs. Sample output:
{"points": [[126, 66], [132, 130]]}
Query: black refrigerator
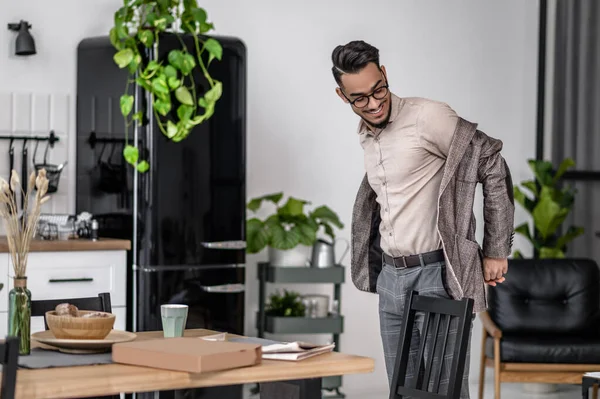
{"points": [[186, 215]]}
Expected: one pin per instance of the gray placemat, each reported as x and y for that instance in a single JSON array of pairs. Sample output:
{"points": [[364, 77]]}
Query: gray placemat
{"points": [[43, 359]]}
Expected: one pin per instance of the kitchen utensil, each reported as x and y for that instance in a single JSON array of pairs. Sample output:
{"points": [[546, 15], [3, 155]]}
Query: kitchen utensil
{"points": [[82, 346], [174, 318], [323, 253], [319, 305], [11, 162], [69, 327], [24, 177], [52, 171]]}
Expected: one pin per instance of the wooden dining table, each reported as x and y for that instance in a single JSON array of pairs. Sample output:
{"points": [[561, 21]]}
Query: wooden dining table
{"points": [[276, 378]]}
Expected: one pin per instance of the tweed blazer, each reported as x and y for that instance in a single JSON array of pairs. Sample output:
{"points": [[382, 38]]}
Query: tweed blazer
{"points": [[473, 158]]}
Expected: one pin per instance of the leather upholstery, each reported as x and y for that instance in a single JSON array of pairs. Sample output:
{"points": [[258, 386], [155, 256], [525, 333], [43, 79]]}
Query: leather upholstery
{"points": [[548, 297], [546, 350]]}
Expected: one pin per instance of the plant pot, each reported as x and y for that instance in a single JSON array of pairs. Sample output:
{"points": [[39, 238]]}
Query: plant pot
{"points": [[295, 257], [19, 314]]}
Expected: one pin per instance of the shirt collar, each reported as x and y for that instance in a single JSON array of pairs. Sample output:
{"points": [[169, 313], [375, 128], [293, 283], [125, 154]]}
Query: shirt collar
{"points": [[397, 103]]}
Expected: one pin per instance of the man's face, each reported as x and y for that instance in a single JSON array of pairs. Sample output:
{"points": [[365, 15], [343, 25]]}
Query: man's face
{"points": [[368, 92]]}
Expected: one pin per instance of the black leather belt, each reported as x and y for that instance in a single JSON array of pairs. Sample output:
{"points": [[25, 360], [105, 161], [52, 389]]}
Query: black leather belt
{"points": [[403, 262]]}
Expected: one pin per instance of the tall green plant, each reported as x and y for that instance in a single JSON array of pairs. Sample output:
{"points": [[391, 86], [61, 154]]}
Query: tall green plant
{"points": [[549, 205], [138, 25], [289, 225]]}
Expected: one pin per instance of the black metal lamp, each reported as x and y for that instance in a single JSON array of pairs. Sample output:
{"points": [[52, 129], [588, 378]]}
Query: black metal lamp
{"points": [[25, 45]]}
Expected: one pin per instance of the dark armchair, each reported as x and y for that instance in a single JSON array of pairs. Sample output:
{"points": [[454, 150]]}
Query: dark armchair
{"points": [[543, 323]]}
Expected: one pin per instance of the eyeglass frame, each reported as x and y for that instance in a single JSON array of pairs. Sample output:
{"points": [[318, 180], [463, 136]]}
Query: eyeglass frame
{"points": [[386, 86]]}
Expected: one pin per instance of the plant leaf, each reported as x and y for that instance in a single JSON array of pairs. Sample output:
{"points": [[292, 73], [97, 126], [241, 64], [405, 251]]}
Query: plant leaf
{"points": [[159, 84], [162, 107], [551, 253], [284, 239], [214, 93], [184, 112], [183, 96], [123, 57], [126, 103], [199, 15], [517, 255], [523, 229], [175, 58], [548, 216], [565, 165], [174, 83], [531, 186], [153, 65], [171, 129], [170, 71], [255, 203], [569, 236], [542, 171], [146, 37], [214, 48], [522, 199], [143, 167], [187, 64], [257, 236], [308, 235], [130, 153], [329, 230], [293, 207], [324, 213]]}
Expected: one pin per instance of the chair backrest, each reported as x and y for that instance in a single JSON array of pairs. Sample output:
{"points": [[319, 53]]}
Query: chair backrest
{"points": [[99, 303], [547, 297], [438, 315], [9, 354]]}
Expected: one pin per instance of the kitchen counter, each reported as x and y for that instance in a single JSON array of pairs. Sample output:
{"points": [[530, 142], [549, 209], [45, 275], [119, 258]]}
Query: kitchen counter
{"points": [[103, 244]]}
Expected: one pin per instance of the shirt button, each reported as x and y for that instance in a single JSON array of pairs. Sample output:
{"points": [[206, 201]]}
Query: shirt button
{"points": [[383, 184], [390, 234], [386, 209]]}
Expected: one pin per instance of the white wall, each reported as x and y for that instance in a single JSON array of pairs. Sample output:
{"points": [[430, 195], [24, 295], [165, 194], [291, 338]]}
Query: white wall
{"points": [[479, 56]]}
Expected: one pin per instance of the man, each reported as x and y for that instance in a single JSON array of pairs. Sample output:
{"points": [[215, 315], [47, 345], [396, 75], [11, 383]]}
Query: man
{"points": [[413, 226]]}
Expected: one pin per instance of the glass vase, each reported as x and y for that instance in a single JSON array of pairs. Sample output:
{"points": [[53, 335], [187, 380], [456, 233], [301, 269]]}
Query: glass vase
{"points": [[19, 314]]}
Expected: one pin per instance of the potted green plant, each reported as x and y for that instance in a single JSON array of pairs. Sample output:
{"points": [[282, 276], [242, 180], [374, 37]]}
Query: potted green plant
{"points": [[289, 231], [288, 304], [549, 204], [177, 106]]}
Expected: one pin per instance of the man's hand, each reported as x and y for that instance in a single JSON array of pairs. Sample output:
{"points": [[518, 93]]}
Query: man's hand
{"points": [[494, 270]]}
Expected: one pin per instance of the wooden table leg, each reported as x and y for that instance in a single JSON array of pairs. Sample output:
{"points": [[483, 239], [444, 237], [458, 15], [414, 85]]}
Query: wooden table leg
{"points": [[297, 389], [586, 384]]}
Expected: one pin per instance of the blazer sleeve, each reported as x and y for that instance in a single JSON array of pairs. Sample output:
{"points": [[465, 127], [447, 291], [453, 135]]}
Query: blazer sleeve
{"points": [[498, 198]]}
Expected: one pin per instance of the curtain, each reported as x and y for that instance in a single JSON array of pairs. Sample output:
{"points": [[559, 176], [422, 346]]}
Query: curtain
{"points": [[576, 112]]}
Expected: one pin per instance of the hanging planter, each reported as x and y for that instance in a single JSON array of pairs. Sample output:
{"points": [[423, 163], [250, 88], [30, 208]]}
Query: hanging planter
{"points": [[176, 104]]}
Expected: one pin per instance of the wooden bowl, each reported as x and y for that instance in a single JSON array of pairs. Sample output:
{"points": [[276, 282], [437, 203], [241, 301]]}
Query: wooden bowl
{"points": [[69, 327]]}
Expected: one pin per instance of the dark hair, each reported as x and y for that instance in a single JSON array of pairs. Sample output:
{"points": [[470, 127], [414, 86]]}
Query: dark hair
{"points": [[352, 58]]}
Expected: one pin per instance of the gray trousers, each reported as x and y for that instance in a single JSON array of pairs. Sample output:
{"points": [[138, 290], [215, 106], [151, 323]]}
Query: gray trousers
{"points": [[393, 286]]}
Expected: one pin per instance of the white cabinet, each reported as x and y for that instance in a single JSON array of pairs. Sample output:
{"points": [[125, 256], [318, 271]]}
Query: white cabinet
{"points": [[69, 274]]}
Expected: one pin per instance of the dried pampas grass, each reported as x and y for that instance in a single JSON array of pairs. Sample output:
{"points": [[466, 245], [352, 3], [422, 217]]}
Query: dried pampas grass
{"points": [[21, 224]]}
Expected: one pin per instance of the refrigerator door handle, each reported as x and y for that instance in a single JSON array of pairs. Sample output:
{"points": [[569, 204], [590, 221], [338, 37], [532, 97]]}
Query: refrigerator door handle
{"points": [[225, 244], [224, 289]]}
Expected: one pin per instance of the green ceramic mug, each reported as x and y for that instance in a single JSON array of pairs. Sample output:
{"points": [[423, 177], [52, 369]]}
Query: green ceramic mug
{"points": [[174, 317]]}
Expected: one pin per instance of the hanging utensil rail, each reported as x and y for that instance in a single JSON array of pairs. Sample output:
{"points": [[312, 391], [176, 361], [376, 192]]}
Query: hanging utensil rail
{"points": [[50, 138]]}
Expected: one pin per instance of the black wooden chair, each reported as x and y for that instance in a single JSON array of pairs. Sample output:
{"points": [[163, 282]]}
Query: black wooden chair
{"points": [[438, 312], [100, 303], [9, 351]]}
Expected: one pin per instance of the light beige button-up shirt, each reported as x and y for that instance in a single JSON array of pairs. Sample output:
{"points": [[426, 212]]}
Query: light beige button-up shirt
{"points": [[404, 163]]}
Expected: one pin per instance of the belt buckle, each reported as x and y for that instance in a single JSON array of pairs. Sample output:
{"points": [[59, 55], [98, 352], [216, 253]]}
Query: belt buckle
{"points": [[403, 261]]}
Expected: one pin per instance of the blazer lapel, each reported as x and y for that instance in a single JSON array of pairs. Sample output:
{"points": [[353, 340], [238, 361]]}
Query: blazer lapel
{"points": [[463, 134]]}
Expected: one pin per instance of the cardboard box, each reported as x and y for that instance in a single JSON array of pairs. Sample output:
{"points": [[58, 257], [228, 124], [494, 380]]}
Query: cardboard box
{"points": [[191, 354]]}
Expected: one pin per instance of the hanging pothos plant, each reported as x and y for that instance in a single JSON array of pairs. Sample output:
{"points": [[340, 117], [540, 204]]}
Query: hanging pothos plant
{"points": [[176, 104]]}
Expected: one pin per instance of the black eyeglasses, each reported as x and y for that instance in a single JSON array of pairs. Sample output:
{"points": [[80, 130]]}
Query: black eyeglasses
{"points": [[362, 101]]}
